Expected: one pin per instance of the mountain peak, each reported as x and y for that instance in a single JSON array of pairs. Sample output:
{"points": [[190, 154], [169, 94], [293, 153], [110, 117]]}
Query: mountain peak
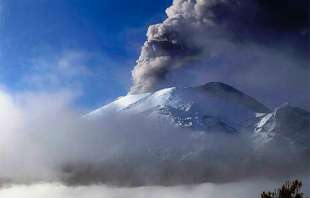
{"points": [[214, 106], [226, 91]]}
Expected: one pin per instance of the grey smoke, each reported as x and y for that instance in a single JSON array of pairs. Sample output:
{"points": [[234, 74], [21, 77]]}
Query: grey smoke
{"points": [[201, 37], [244, 42]]}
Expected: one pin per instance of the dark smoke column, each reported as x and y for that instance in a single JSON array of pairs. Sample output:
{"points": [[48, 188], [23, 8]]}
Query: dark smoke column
{"points": [[198, 29], [168, 45]]}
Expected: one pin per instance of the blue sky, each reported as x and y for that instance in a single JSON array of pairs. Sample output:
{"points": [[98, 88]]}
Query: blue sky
{"points": [[86, 45]]}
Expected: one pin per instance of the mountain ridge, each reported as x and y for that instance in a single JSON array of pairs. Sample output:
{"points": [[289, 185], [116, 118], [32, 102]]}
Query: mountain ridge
{"points": [[212, 107], [218, 120], [219, 88]]}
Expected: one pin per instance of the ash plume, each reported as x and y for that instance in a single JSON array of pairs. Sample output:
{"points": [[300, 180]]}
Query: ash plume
{"points": [[44, 139], [198, 30]]}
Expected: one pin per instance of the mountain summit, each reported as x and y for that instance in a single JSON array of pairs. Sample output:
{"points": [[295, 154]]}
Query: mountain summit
{"points": [[198, 134], [213, 107], [223, 90]]}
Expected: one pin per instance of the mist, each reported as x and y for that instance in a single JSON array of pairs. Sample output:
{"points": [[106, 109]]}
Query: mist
{"points": [[243, 189], [46, 139], [50, 147]]}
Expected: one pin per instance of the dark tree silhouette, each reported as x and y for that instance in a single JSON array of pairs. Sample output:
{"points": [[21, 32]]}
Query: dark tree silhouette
{"points": [[288, 190]]}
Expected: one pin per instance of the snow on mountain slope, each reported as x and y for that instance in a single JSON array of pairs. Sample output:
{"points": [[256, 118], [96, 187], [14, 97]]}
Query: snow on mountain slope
{"points": [[212, 107], [227, 92], [262, 140], [290, 125], [216, 107], [118, 105]]}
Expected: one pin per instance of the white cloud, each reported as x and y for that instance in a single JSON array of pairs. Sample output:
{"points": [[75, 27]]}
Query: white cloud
{"points": [[243, 189], [42, 134], [28, 121], [66, 69]]}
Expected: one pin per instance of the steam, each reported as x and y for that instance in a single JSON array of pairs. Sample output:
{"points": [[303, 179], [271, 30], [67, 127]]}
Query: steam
{"points": [[202, 38]]}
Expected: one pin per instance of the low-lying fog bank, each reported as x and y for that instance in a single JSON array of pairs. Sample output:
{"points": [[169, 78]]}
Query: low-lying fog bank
{"points": [[243, 189]]}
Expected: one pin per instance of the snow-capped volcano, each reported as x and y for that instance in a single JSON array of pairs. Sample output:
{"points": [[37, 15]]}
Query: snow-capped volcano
{"points": [[286, 124], [223, 132], [212, 107]]}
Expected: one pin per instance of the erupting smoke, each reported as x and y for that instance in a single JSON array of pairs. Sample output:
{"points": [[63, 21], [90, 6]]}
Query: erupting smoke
{"points": [[200, 30], [44, 139]]}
